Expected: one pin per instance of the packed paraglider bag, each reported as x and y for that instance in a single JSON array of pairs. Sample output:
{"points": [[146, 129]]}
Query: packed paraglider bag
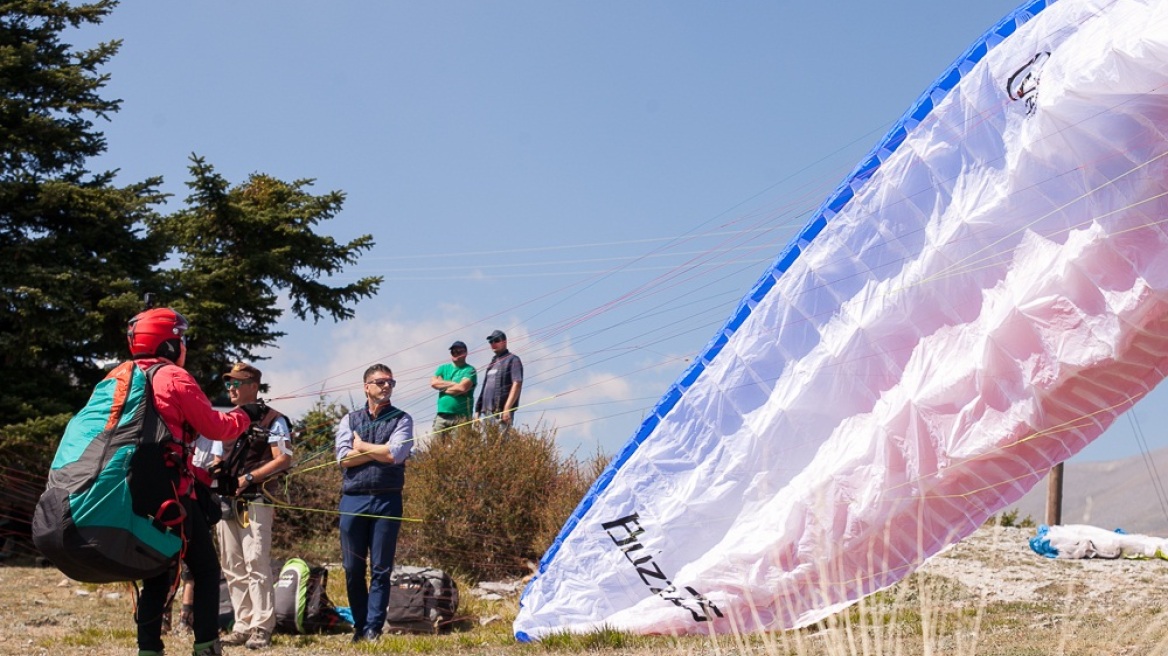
{"points": [[421, 600], [302, 602], [110, 511]]}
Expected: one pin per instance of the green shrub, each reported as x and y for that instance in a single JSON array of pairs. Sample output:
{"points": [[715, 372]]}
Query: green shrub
{"points": [[1009, 518], [573, 481], [31, 445], [489, 502], [306, 528]]}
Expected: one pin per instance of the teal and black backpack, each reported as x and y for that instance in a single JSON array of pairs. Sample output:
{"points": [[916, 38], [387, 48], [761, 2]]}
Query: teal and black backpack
{"points": [[111, 510]]}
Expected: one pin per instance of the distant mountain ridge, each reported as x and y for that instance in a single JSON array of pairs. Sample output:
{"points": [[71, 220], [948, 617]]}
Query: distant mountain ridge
{"points": [[1112, 494]]}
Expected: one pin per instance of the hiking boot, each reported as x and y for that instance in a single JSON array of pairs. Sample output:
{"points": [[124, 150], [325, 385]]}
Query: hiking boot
{"points": [[260, 639], [235, 638], [371, 635], [212, 648]]}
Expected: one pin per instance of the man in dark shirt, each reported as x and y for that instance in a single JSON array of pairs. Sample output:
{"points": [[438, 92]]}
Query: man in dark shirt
{"points": [[502, 382]]}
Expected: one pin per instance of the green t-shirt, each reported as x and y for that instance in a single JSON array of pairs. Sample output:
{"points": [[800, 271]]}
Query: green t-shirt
{"points": [[462, 406]]}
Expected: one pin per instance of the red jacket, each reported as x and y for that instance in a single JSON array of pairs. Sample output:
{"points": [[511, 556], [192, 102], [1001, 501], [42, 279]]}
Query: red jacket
{"points": [[184, 408]]}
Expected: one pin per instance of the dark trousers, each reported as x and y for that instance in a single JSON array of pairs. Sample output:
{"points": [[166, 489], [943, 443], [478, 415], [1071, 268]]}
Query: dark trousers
{"points": [[366, 536], [203, 563]]}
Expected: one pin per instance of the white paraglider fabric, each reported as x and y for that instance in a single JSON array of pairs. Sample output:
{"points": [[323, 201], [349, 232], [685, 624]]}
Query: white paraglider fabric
{"points": [[980, 300]]}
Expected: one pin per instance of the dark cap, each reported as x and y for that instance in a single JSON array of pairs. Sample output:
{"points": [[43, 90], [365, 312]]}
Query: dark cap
{"points": [[497, 335], [458, 345], [243, 371]]}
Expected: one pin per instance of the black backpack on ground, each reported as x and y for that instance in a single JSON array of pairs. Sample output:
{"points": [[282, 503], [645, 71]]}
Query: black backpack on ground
{"points": [[421, 600]]}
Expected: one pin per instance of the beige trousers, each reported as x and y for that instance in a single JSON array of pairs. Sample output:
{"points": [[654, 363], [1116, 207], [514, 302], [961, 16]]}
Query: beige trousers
{"points": [[246, 557]]}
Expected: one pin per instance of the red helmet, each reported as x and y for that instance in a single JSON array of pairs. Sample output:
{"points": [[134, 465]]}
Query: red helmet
{"points": [[150, 331]]}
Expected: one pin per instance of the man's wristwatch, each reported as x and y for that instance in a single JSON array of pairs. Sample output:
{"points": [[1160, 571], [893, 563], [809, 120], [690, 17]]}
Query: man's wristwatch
{"points": [[249, 478]]}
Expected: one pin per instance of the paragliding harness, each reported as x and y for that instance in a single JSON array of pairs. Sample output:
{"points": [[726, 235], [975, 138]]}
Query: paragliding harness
{"points": [[228, 471], [111, 511]]}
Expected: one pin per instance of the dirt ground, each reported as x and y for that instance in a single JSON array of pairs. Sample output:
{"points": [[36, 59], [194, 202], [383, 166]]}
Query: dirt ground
{"points": [[999, 598]]}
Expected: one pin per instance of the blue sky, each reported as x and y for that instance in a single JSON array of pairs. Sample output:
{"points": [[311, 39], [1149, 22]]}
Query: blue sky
{"points": [[602, 180]]}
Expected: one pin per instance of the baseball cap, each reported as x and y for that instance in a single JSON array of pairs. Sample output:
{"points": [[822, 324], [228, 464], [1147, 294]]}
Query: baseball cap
{"points": [[243, 371], [497, 335], [458, 345]]}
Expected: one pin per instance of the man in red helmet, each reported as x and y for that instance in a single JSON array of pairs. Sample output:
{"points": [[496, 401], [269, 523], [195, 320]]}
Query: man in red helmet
{"points": [[157, 336]]}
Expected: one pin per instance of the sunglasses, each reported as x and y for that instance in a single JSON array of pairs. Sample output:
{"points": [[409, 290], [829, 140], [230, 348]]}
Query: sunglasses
{"points": [[494, 341], [232, 384], [384, 382]]}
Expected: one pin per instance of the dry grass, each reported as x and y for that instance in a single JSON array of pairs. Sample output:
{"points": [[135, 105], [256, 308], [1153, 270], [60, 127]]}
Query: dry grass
{"points": [[989, 595]]}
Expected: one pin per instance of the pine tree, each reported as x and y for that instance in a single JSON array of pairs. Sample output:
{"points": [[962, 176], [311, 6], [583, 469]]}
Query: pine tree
{"points": [[240, 248], [73, 253], [77, 252]]}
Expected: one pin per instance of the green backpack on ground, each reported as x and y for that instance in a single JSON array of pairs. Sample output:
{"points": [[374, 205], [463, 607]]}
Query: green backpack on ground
{"points": [[302, 602], [110, 511]]}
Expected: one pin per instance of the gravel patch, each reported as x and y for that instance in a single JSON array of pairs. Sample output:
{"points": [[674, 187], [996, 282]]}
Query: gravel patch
{"points": [[997, 563]]}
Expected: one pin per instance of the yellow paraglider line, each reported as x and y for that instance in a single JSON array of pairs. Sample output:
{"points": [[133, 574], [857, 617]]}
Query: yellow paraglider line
{"points": [[287, 506]]}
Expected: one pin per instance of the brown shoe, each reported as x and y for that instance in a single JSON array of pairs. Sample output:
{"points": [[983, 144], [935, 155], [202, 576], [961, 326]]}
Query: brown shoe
{"points": [[235, 638], [260, 639]]}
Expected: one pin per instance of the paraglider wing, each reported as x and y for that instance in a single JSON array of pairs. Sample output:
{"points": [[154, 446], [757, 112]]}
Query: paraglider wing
{"points": [[978, 301]]}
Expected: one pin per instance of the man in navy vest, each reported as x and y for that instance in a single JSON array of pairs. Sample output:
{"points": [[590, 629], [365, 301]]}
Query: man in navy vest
{"points": [[372, 445]]}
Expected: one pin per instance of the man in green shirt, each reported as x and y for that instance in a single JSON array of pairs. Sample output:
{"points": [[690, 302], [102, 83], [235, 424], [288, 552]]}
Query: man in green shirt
{"points": [[455, 382]]}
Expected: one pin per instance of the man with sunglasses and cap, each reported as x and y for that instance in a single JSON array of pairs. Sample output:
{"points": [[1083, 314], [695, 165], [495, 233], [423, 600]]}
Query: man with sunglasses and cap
{"points": [[502, 382], [455, 382], [256, 461], [372, 445]]}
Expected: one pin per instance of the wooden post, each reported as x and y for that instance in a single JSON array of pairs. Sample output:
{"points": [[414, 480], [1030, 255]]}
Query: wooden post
{"points": [[1054, 496]]}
